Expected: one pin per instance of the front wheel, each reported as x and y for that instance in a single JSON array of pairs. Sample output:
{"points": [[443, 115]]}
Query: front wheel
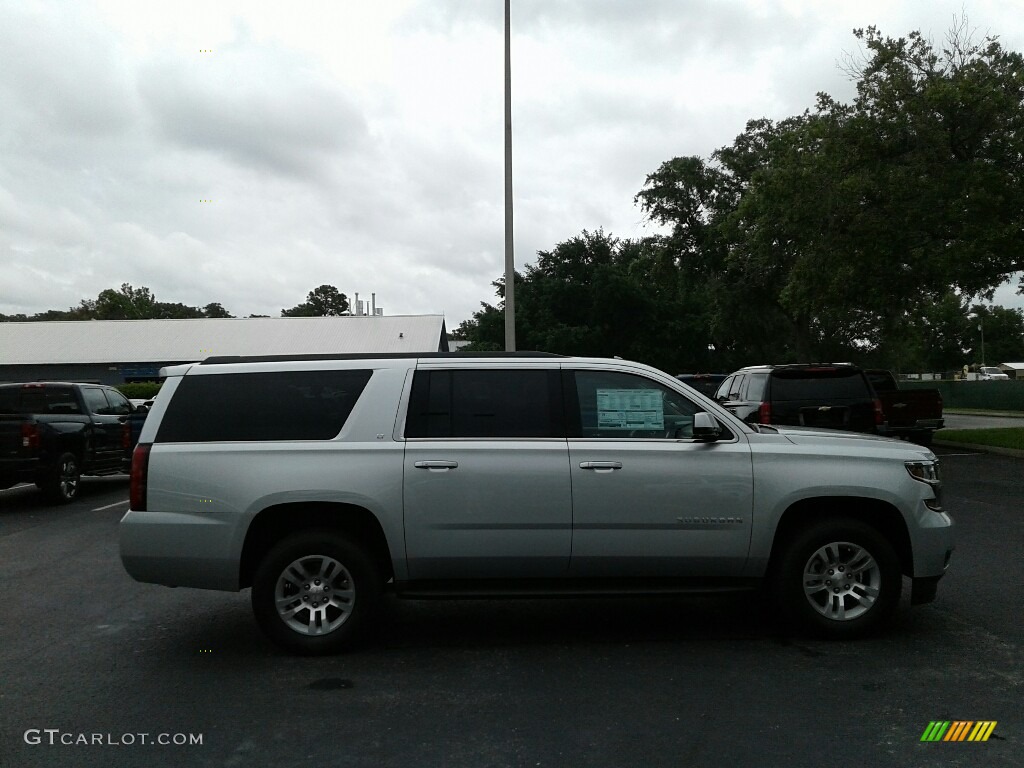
{"points": [[313, 593], [838, 579]]}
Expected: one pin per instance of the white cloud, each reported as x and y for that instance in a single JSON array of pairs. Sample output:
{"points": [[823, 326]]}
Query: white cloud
{"points": [[360, 144]]}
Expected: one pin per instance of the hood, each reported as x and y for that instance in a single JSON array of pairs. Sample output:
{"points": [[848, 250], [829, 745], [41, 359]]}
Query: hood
{"points": [[835, 437]]}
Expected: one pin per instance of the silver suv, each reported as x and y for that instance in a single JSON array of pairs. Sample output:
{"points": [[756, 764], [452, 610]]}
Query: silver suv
{"points": [[321, 482]]}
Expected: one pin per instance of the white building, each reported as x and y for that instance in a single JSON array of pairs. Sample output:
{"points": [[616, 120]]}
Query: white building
{"points": [[116, 351]]}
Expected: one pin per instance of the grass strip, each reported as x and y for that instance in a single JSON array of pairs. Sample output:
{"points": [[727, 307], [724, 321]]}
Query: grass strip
{"points": [[1009, 437]]}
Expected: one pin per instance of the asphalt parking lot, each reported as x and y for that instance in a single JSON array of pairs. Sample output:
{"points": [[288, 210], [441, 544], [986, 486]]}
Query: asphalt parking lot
{"points": [[85, 652]]}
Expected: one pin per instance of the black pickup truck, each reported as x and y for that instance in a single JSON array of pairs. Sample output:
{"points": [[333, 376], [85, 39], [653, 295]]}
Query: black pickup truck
{"points": [[911, 413], [52, 433]]}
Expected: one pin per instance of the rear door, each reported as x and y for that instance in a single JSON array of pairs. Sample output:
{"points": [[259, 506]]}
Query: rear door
{"points": [[486, 482]]}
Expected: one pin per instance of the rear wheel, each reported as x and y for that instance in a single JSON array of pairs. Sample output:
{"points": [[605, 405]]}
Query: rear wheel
{"points": [[314, 592], [62, 483], [838, 579]]}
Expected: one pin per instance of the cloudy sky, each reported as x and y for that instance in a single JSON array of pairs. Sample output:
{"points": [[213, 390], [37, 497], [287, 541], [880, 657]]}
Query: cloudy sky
{"points": [[246, 152]]}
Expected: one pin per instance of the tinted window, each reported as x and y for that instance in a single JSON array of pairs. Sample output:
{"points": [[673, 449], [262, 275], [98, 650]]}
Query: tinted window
{"points": [[723, 390], [620, 405], [882, 381], [29, 400], [754, 389], [119, 405], [291, 405], [737, 387], [484, 403], [827, 383], [95, 400]]}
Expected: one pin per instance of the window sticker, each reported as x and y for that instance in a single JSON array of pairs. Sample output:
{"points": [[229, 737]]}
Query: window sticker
{"points": [[630, 409]]}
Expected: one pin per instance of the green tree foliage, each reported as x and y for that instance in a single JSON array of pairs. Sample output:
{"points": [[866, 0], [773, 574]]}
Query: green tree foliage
{"points": [[839, 228], [126, 303], [216, 309], [324, 301], [1004, 334], [596, 295], [141, 390]]}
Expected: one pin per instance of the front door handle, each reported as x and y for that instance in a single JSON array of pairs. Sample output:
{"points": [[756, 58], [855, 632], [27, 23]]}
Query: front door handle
{"points": [[601, 466], [436, 465]]}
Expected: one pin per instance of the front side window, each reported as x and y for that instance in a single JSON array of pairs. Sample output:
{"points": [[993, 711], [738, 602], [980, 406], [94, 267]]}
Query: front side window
{"points": [[615, 405], [95, 400], [119, 405], [486, 403], [723, 390]]}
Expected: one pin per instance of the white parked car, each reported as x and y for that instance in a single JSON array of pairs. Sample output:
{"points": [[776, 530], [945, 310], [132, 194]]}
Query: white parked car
{"points": [[991, 373]]}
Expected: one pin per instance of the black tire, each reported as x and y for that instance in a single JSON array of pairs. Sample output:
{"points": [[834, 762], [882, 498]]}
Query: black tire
{"points": [[853, 596], [332, 587], [62, 483], [922, 438]]}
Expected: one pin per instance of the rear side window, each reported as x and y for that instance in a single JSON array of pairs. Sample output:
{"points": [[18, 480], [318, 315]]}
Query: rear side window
{"points": [[285, 405], [755, 387], [821, 384], [485, 404]]}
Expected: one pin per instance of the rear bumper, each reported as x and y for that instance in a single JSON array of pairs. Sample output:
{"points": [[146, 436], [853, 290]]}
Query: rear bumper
{"points": [[179, 550], [923, 425]]}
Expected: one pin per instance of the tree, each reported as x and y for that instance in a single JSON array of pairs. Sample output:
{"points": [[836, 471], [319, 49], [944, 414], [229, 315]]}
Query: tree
{"points": [[596, 295], [127, 304], [215, 309], [324, 301], [1004, 334], [836, 229]]}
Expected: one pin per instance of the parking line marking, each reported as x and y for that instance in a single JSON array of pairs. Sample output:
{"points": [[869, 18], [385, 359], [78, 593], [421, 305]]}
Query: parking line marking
{"points": [[116, 503]]}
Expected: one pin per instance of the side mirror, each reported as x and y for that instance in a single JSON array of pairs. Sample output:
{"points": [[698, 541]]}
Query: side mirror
{"points": [[705, 428], [141, 409]]}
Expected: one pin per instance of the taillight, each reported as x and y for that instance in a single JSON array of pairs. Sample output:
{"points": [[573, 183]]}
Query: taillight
{"points": [[140, 470], [29, 436], [764, 413], [879, 416]]}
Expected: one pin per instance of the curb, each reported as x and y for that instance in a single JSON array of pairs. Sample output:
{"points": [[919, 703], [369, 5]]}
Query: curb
{"points": [[1014, 452]]}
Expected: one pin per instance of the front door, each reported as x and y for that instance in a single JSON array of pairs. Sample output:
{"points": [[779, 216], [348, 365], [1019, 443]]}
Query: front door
{"points": [[649, 501]]}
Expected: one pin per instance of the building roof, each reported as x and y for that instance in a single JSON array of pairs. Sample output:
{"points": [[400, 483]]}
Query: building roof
{"points": [[162, 341], [1013, 366]]}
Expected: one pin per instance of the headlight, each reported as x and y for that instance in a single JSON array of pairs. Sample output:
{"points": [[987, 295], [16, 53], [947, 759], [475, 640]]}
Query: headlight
{"points": [[928, 472], [925, 471]]}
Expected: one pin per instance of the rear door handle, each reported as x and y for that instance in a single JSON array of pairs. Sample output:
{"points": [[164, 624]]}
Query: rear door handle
{"points": [[436, 465], [601, 466]]}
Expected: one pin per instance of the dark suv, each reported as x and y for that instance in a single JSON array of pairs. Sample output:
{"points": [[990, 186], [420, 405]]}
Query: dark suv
{"points": [[831, 395]]}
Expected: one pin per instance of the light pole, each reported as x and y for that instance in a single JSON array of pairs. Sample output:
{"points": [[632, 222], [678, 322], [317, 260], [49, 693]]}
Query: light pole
{"points": [[982, 329], [510, 261]]}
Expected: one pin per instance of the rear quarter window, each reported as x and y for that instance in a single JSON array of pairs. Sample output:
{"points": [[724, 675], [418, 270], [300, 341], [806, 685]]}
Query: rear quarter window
{"points": [[38, 400], [250, 407], [819, 385]]}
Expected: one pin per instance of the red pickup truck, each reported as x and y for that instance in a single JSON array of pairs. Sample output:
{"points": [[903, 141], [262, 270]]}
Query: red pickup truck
{"points": [[52, 433], [911, 413]]}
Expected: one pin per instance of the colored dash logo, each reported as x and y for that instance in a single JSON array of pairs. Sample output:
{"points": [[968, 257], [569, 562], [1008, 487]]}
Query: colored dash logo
{"points": [[958, 730]]}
